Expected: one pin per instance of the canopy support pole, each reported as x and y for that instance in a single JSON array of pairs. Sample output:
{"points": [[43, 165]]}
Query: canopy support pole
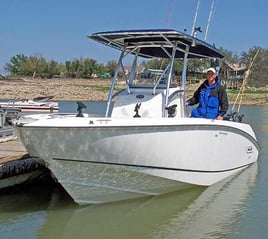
{"points": [[113, 82]]}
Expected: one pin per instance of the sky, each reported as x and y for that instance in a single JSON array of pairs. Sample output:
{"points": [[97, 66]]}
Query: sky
{"points": [[58, 29]]}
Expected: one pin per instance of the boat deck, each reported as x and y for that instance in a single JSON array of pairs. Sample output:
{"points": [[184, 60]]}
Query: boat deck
{"points": [[10, 150]]}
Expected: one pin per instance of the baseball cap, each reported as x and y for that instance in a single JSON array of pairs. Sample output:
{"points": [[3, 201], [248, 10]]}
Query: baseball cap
{"points": [[211, 69]]}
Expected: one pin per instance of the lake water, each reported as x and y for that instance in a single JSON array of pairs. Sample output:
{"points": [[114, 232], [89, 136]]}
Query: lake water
{"points": [[235, 208]]}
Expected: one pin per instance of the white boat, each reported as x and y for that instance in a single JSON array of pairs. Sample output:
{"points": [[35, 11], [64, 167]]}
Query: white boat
{"points": [[39, 104], [146, 144]]}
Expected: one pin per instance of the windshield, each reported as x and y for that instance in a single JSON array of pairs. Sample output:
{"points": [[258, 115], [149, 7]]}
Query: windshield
{"points": [[153, 77]]}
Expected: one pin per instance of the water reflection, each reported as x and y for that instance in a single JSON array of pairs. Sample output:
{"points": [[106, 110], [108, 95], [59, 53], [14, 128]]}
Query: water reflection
{"points": [[230, 209], [195, 213], [23, 209], [128, 219], [213, 213]]}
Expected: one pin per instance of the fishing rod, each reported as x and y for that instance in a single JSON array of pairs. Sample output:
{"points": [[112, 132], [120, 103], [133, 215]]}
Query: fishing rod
{"points": [[171, 5], [195, 18], [234, 115], [244, 83], [170, 10], [209, 19]]}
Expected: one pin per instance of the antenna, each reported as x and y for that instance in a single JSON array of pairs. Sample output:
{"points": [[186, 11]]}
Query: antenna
{"points": [[209, 19]]}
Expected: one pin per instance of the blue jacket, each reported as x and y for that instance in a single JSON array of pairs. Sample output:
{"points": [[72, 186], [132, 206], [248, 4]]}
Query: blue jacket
{"points": [[212, 100]]}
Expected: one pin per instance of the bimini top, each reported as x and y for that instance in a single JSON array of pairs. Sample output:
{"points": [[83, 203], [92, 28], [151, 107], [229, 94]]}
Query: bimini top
{"points": [[156, 43]]}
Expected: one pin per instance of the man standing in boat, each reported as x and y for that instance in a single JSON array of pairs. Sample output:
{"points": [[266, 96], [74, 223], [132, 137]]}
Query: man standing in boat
{"points": [[212, 98]]}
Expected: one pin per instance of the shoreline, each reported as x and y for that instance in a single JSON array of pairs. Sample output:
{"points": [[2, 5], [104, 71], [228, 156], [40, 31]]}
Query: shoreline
{"points": [[87, 90]]}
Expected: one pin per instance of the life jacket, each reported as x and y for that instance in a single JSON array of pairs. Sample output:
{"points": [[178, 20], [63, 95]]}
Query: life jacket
{"points": [[208, 104]]}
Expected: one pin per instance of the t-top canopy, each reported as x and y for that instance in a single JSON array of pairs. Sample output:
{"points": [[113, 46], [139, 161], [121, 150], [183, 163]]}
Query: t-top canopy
{"points": [[157, 43]]}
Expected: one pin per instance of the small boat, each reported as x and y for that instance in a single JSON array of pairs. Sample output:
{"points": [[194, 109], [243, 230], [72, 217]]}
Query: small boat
{"points": [[43, 98], [38, 104], [146, 144]]}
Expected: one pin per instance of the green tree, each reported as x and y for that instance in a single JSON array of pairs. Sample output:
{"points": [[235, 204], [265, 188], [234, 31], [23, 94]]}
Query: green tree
{"points": [[75, 66], [72, 68], [155, 63], [51, 69], [196, 67], [229, 56], [110, 67], [87, 67], [34, 66], [14, 66], [68, 68], [37, 66], [259, 72], [100, 69]]}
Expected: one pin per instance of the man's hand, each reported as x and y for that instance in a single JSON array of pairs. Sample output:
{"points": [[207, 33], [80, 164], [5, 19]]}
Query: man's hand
{"points": [[219, 117]]}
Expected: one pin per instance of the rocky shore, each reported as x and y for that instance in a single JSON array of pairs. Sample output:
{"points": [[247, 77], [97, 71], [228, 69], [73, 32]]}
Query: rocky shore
{"points": [[86, 90], [61, 89]]}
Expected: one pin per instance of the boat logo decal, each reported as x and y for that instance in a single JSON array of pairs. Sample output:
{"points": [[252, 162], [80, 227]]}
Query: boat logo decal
{"points": [[249, 149]]}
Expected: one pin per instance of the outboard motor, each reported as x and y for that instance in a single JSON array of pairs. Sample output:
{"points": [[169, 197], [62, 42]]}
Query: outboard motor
{"points": [[234, 116], [80, 107]]}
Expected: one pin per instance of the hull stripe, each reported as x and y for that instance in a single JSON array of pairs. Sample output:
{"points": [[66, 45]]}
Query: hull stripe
{"points": [[153, 167]]}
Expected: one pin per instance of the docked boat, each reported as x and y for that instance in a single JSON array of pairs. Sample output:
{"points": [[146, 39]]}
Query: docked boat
{"points": [[146, 144], [38, 104]]}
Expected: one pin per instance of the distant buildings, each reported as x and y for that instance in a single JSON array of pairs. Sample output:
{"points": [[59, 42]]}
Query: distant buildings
{"points": [[233, 73]]}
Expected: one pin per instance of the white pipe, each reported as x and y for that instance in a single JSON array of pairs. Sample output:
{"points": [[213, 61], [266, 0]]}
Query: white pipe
{"points": [[113, 82]]}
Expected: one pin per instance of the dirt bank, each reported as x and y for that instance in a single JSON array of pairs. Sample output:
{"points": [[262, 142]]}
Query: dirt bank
{"points": [[61, 89], [84, 90]]}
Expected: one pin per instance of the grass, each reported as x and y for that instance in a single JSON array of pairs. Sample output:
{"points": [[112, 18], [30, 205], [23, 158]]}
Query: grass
{"points": [[101, 88], [106, 88], [249, 91]]}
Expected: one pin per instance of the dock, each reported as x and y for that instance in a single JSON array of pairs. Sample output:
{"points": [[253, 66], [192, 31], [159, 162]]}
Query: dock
{"points": [[16, 166]]}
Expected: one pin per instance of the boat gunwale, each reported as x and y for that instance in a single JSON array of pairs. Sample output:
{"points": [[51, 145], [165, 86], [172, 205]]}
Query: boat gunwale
{"points": [[185, 127]]}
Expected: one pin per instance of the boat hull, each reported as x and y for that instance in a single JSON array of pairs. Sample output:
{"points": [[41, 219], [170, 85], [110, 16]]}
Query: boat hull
{"points": [[104, 162]]}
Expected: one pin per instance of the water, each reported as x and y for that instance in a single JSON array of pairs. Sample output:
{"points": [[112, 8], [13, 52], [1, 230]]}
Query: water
{"points": [[235, 208]]}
